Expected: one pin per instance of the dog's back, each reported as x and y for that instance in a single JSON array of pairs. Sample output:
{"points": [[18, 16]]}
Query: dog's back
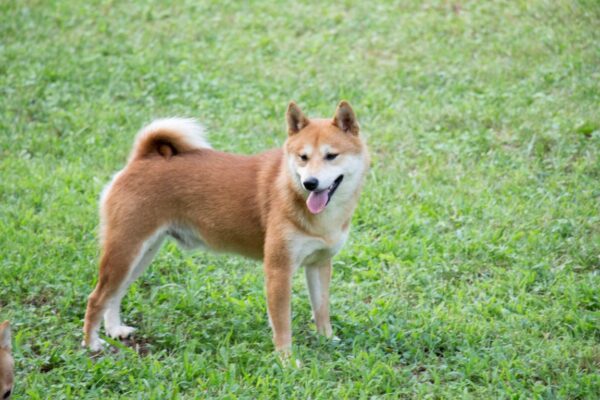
{"points": [[221, 203]]}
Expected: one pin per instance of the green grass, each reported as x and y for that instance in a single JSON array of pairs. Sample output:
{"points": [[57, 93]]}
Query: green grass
{"points": [[473, 265]]}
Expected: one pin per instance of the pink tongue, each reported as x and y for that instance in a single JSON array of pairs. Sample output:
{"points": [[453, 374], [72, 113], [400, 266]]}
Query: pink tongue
{"points": [[317, 201]]}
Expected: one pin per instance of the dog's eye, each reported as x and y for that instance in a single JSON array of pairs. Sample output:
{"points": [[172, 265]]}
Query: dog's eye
{"points": [[303, 157], [330, 156]]}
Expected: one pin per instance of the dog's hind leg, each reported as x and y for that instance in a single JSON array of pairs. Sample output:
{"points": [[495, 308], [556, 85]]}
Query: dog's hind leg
{"points": [[112, 317], [123, 259]]}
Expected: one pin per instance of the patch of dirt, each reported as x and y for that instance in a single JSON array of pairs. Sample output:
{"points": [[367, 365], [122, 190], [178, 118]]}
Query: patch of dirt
{"points": [[141, 346]]}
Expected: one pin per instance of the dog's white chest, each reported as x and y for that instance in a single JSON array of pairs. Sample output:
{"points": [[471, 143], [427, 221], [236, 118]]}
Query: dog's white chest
{"points": [[310, 250]]}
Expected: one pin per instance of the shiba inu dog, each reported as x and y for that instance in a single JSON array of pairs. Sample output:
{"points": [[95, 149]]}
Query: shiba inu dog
{"points": [[290, 207], [6, 362]]}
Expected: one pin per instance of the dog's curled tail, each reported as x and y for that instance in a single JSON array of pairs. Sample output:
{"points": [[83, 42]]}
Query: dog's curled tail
{"points": [[168, 137]]}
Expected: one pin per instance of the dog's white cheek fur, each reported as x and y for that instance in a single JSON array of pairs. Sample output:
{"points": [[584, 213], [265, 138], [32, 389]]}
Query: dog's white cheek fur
{"points": [[352, 166]]}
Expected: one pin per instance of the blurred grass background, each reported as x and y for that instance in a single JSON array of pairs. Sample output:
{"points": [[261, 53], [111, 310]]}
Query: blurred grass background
{"points": [[472, 269]]}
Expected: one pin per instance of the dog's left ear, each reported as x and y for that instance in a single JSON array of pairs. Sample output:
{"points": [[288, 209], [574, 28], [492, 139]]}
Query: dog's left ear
{"points": [[5, 335], [345, 119]]}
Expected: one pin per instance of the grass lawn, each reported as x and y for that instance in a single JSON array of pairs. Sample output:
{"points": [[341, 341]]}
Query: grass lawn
{"points": [[473, 267]]}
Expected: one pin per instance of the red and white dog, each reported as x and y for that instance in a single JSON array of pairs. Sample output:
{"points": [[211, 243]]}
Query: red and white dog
{"points": [[290, 207]]}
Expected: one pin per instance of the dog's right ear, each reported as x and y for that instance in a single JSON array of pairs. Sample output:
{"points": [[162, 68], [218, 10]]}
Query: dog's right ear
{"points": [[296, 119], [5, 335]]}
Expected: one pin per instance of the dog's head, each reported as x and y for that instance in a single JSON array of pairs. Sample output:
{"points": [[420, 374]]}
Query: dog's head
{"points": [[327, 158], [6, 362]]}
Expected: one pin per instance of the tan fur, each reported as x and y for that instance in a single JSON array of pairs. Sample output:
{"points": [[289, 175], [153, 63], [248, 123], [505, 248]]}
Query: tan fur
{"points": [[6, 362], [251, 205]]}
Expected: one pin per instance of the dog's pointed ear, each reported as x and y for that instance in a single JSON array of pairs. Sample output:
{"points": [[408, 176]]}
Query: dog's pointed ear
{"points": [[5, 335], [296, 120], [345, 119]]}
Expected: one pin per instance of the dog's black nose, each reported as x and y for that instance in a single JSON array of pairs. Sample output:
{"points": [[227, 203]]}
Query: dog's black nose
{"points": [[311, 183]]}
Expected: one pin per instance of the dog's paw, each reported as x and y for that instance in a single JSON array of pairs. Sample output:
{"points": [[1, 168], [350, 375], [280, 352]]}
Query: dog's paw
{"points": [[325, 330], [290, 361], [120, 331], [95, 345], [287, 358]]}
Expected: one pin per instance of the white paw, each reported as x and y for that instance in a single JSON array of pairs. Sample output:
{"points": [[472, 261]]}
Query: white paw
{"points": [[326, 331], [287, 358], [120, 331], [95, 344]]}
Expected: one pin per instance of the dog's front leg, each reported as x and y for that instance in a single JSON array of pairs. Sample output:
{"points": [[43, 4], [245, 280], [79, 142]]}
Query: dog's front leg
{"points": [[318, 277], [278, 275]]}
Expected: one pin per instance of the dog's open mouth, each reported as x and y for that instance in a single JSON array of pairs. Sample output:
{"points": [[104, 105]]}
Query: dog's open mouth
{"points": [[317, 201]]}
